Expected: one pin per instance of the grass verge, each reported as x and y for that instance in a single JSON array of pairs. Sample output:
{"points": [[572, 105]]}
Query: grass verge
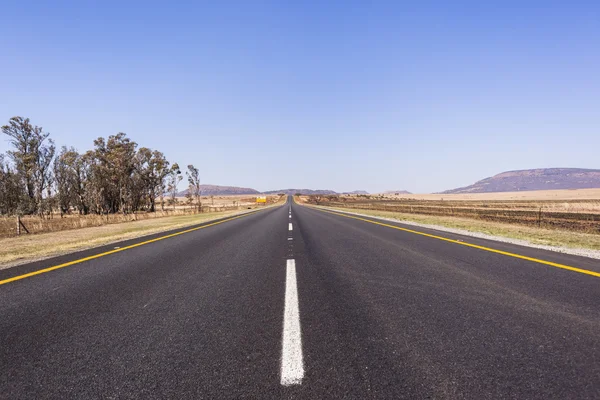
{"points": [[540, 236], [27, 248]]}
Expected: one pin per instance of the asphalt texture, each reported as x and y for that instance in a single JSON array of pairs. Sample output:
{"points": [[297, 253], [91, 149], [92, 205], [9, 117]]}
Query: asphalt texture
{"points": [[383, 314]]}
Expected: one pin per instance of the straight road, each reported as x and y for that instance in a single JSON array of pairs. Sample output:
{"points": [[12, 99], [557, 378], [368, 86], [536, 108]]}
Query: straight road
{"points": [[295, 302]]}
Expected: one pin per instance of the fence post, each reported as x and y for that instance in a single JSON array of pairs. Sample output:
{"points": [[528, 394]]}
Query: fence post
{"points": [[21, 225], [540, 218]]}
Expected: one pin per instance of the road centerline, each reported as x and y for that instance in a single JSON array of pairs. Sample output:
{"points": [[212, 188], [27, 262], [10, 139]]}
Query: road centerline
{"points": [[292, 366]]}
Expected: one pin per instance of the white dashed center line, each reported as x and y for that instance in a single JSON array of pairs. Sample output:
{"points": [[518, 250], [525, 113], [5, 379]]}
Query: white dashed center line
{"points": [[292, 366], [290, 226]]}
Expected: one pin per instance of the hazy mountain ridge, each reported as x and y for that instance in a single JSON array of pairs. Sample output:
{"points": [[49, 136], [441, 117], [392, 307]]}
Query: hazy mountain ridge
{"points": [[216, 190], [303, 191], [534, 179]]}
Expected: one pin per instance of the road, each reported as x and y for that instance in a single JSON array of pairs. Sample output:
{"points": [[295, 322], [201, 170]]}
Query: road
{"points": [[295, 302]]}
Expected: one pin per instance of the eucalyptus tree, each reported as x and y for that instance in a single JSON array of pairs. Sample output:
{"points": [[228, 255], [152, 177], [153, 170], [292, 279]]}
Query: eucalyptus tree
{"points": [[31, 157]]}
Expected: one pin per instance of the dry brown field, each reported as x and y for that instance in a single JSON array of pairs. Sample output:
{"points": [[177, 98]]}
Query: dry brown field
{"points": [[576, 194], [571, 210], [56, 222]]}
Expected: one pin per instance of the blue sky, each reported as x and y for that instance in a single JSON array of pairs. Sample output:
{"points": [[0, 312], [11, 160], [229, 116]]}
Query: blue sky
{"points": [[423, 96]]}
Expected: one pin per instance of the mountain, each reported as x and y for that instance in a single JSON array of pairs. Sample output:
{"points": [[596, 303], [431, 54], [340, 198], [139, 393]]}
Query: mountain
{"points": [[216, 190], [535, 179], [303, 191]]}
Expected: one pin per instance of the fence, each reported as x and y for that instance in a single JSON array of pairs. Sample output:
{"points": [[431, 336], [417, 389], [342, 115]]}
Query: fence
{"points": [[522, 213], [13, 226]]}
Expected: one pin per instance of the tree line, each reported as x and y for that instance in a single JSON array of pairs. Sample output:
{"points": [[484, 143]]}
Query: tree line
{"points": [[115, 176]]}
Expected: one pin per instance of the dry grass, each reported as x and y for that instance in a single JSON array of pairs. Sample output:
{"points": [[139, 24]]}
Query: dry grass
{"points": [[56, 223], [25, 248], [581, 215], [576, 194], [227, 200], [534, 235], [36, 225]]}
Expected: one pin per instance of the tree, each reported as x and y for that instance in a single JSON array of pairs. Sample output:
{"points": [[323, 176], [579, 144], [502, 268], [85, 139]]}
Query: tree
{"points": [[71, 177], [11, 193], [112, 167], [194, 188], [115, 176], [81, 183], [173, 179], [32, 157], [159, 169], [64, 179]]}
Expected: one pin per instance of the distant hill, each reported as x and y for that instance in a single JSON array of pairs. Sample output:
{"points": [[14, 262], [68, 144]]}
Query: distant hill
{"points": [[535, 179], [216, 190], [303, 191]]}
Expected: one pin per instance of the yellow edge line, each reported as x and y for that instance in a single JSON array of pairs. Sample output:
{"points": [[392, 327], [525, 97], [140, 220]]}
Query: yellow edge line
{"points": [[506, 253], [43, 271]]}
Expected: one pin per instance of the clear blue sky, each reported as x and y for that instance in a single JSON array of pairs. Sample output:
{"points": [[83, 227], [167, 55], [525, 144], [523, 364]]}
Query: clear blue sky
{"points": [[423, 96]]}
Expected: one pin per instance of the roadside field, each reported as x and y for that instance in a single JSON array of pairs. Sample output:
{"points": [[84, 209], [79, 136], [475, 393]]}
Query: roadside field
{"points": [[576, 194], [55, 222], [571, 215], [209, 202], [565, 223]]}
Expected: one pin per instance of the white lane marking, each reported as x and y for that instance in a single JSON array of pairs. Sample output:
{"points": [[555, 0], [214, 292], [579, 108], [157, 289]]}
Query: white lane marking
{"points": [[290, 239], [290, 227], [292, 367], [290, 216]]}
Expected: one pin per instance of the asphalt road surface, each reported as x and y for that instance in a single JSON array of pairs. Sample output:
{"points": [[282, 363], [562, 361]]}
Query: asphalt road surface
{"points": [[295, 302]]}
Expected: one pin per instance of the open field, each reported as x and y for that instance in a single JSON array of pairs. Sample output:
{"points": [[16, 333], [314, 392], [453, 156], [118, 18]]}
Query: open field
{"points": [[540, 236], [582, 215], [577, 194], [571, 223], [16, 250], [223, 201], [56, 223]]}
